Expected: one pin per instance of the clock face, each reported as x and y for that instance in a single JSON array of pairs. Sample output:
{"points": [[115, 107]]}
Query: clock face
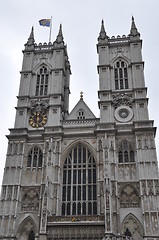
{"points": [[123, 114], [37, 119]]}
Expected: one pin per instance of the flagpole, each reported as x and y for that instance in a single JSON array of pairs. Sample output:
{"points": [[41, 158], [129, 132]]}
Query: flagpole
{"points": [[50, 29]]}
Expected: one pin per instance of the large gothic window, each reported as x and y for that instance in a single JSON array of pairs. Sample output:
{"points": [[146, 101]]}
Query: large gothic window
{"points": [[35, 158], [126, 152], [79, 190], [121, 75], [42, 82]]}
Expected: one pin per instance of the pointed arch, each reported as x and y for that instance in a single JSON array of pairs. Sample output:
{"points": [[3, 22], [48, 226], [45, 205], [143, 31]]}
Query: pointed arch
{"points": [[34, 157], [79, 181], [74, 144], [42, 63], [118, 58], [42, 81], [120, 67], [126, 151], [27, 229], [132, 227]]}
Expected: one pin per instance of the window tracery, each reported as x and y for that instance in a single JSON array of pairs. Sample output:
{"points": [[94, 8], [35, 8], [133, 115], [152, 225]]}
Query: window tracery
{"points": [[126, 152], [42, 82], [121, 75], [79, 190], [35, 158]]}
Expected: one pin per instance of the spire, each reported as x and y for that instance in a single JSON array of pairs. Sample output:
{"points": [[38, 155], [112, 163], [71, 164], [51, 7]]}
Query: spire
{"points": [[133, 31], [102, 35], [59, 38], [31, 38]]}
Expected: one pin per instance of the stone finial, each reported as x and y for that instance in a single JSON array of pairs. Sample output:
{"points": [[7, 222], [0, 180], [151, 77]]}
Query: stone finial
{"points": [[102, 35], [133, 31], [81, 95]]}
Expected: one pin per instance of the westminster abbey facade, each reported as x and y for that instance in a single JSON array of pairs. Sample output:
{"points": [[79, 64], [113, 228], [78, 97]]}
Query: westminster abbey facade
{"points": [[71, 175]]}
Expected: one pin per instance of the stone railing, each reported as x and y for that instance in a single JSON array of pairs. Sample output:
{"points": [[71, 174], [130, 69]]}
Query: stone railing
{"points": [[81, 121], [118, 238], [76, 219]]}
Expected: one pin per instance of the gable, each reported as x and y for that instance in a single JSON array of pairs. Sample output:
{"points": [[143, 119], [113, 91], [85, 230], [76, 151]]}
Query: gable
{"points": [[81, 111]]}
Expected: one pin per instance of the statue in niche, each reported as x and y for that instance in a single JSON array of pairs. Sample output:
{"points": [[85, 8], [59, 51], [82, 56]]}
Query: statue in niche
{"points": [[127, 233], [139, 142]]}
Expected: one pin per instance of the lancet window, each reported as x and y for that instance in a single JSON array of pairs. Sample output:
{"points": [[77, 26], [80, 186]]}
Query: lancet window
{"points": [[121, 75], [79, 190], [35, 158], [126, 152], [42, 82], [80, 114]]}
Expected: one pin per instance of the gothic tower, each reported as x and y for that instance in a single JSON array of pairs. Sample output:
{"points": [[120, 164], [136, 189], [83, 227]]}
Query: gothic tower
{"points": [[70, 175]]}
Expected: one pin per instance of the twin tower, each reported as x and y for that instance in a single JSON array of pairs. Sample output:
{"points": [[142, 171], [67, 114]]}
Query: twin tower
{"points": [[70, 175]]}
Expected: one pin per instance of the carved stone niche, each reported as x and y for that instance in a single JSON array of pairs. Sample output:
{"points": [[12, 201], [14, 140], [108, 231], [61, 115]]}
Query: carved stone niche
{"points": [[27, 229], [132, 228]]}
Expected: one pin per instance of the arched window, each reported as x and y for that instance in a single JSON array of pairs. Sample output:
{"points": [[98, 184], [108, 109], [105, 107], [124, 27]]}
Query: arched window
{"points": [[121, 75], [125, 153], [35, 157], [42, 82], [80, 114], [79, 189]]}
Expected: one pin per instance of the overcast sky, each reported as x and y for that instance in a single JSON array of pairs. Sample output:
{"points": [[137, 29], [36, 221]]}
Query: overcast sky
{"points": [[81, 21]]}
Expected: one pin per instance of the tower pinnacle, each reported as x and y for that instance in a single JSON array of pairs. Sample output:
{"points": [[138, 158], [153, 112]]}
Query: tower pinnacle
{"points": [[102, 35], [59, 38], [133, 30], [31, 37]]}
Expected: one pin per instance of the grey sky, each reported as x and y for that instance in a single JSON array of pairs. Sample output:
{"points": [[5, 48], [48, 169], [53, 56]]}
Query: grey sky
{"points": [[81, 21]]}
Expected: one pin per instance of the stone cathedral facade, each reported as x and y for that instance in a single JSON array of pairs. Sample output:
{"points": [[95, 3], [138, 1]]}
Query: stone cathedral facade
{"points": [[70, 175]]}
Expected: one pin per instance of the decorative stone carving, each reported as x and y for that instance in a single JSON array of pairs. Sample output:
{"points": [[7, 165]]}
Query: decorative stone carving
{"points": [[15, 192], [30, 201], [9, 194], [150, 187], [129, 197], [122, 99], [3, 192], [144, 187], [39, 105]]}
